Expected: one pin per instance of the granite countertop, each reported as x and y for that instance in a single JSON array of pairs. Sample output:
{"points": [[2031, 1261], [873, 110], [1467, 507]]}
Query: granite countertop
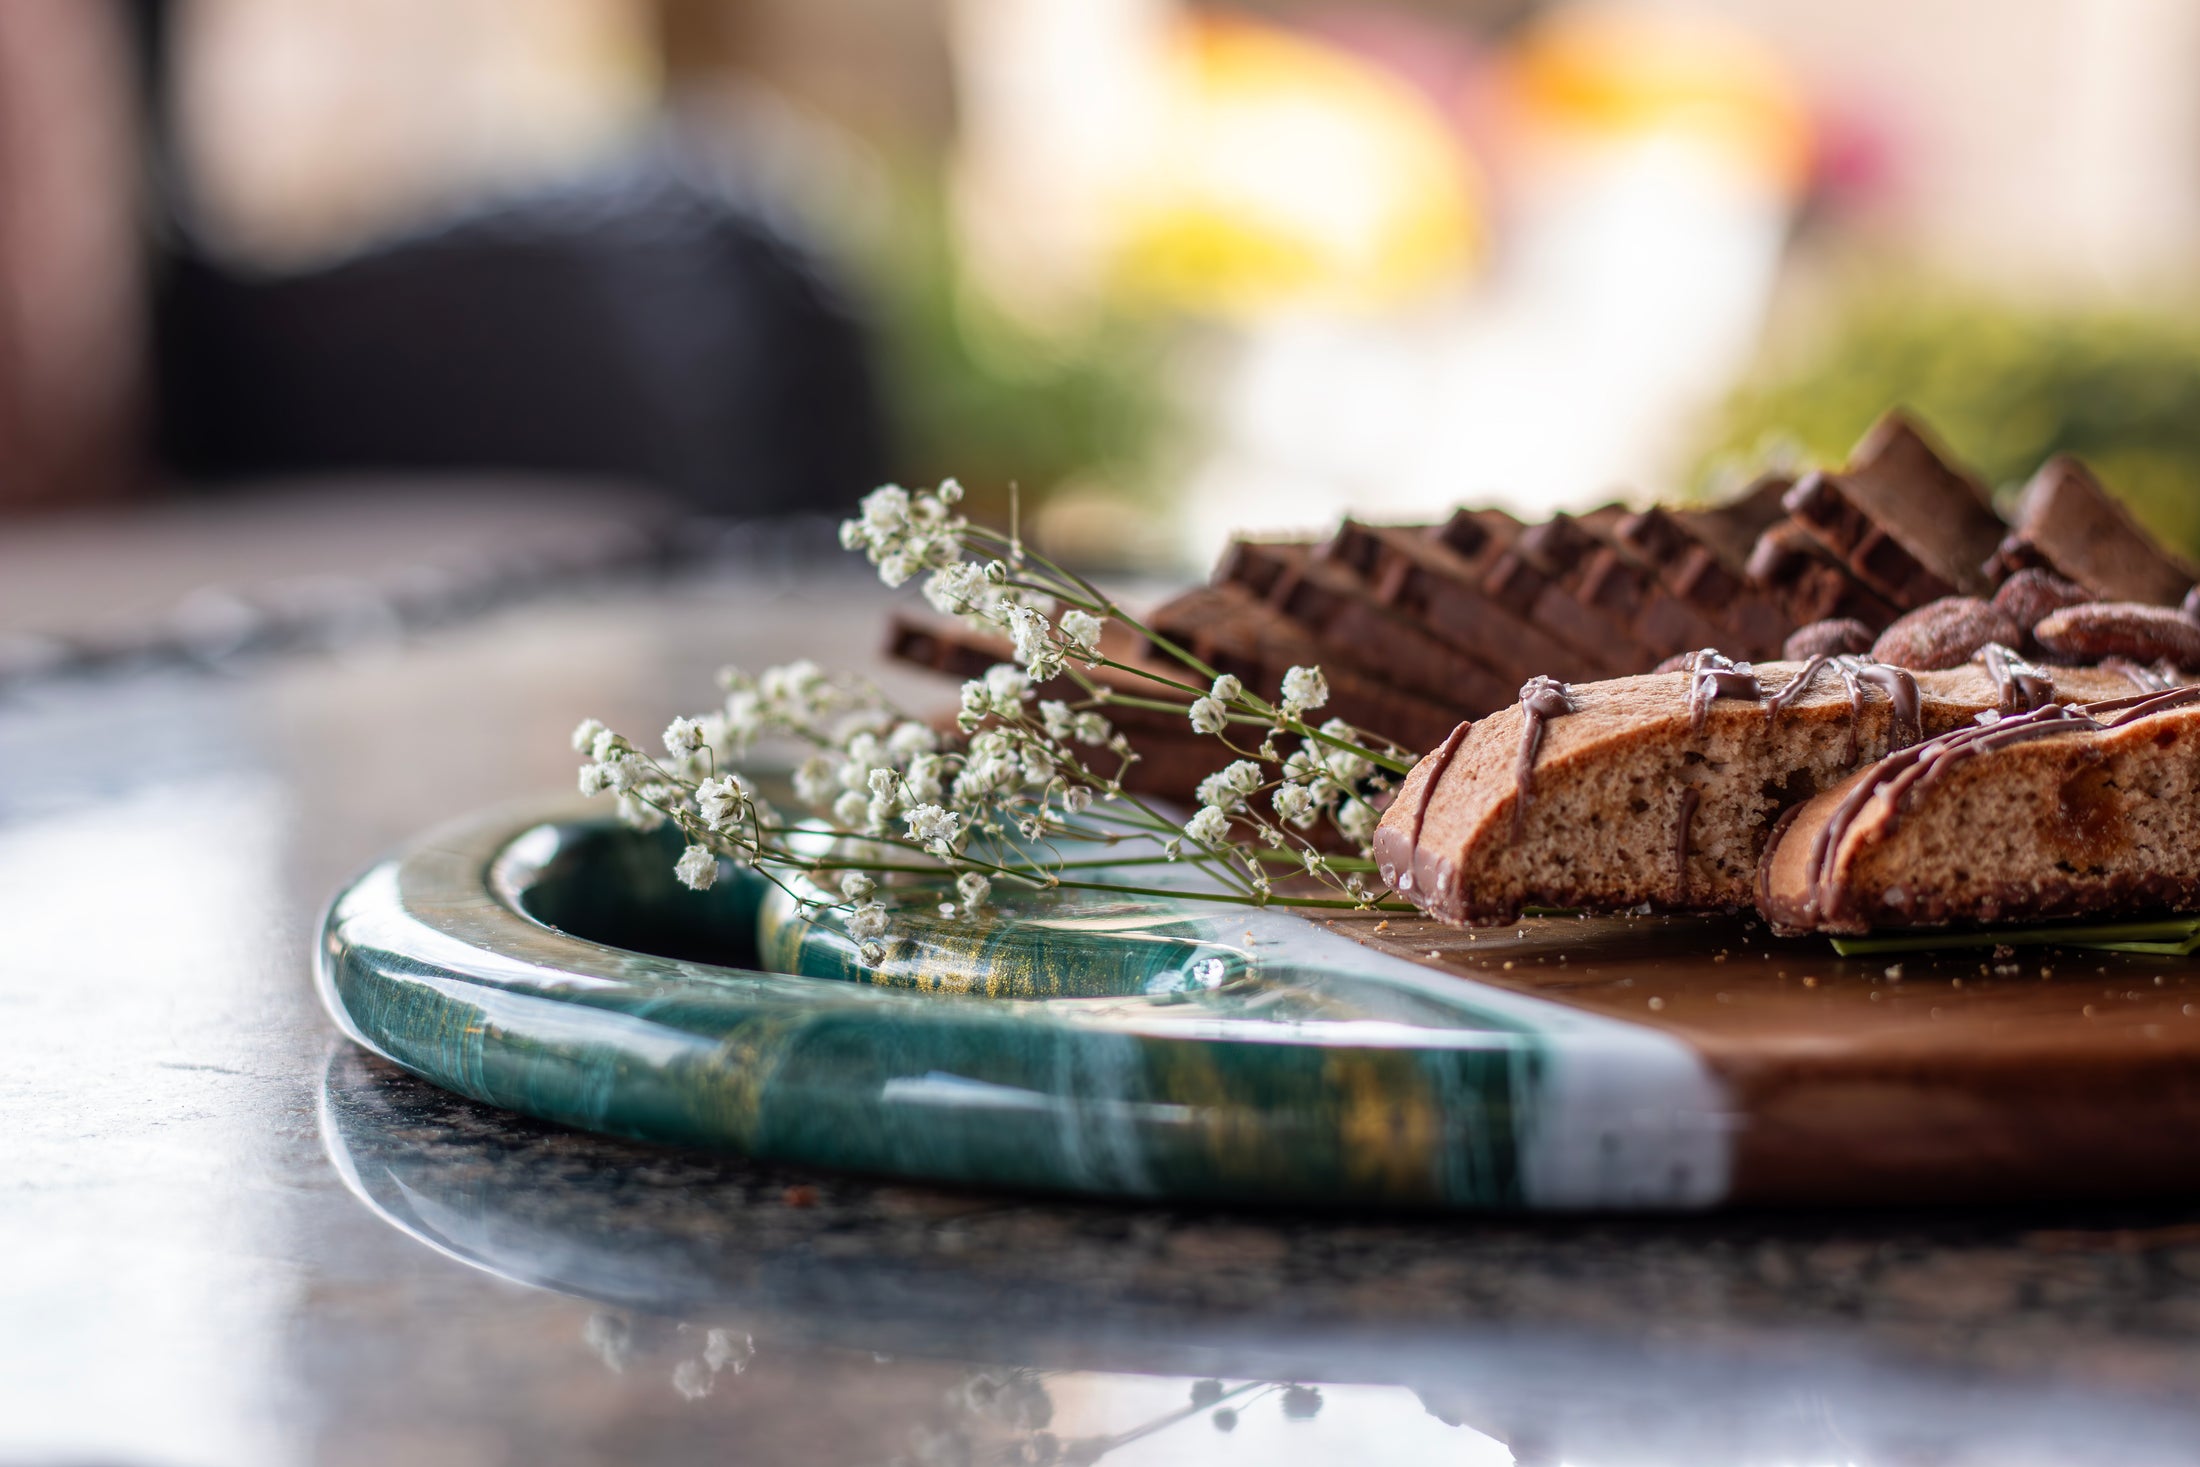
{"points": [[230, 1237]]}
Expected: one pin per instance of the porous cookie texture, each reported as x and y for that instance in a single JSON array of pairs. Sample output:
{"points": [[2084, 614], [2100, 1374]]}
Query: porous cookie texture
{"points": [[1644, 794], [2060, 813]]}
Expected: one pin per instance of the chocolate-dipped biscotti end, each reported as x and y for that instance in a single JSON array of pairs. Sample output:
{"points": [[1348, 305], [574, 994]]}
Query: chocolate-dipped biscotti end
{"points": [[2060, 812], [2067, 523], [1902, 517], [1660, 788]]}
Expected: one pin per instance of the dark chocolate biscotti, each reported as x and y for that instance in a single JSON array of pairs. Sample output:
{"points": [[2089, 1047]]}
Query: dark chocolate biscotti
{"points": [[1902, 517], [2067, 524]]}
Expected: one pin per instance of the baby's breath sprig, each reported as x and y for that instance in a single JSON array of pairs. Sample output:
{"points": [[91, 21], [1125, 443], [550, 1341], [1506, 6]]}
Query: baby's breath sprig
{"points": [[897, 805]]}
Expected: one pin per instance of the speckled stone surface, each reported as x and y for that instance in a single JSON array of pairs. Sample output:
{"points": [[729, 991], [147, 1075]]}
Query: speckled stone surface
{"points": [[226, 1236]]}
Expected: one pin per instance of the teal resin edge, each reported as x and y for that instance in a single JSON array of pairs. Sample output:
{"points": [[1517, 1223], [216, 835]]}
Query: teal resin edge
{"points": [[1155, 1049]]}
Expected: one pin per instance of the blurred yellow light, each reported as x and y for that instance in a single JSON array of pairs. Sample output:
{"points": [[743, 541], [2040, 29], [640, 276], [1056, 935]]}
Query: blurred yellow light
{"points": [[1623, 74], [1292, 174]]}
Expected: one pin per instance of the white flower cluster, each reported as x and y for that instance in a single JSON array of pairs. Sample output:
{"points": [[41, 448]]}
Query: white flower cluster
{"points": [[697, 868], [1041, 645], [903, 533], [1021, 771], [616, 767], [1211, 714], [1321, 778], [1304, 690]]}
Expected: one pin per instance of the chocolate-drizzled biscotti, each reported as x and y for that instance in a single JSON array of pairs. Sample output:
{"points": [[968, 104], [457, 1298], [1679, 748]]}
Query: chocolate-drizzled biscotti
{"points": [[2063, 811], [1663, 788]]}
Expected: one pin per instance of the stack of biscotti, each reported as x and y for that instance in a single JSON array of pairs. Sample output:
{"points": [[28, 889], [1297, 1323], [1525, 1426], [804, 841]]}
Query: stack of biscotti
{"points": [[1662, 789], [1898, 553], [1460, 615]]}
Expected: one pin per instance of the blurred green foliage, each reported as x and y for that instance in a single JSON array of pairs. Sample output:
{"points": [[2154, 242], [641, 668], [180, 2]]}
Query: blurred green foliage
{"points": [[980, 397], [2003, 388]]}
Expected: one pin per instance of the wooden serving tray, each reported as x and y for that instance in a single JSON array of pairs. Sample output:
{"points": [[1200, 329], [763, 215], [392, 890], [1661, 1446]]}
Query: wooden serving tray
{"points": [[1164, 1048]]}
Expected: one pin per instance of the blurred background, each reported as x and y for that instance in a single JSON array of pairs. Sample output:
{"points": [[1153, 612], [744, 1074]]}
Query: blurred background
{"points": [[1169, 269]]}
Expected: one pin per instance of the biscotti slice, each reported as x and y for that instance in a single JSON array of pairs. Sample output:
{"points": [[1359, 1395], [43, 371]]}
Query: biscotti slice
{"points": [[1910, 524], [1428, 580], [1340, 611], [1229, 629], [1809, 584], [1660, 788], [1541, 576], [1732, 528], [1746, 621], [2060, 812], [2068, 524], [1627, 590]]}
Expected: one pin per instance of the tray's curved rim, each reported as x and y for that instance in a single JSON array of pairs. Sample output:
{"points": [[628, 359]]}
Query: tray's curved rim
{"points": [[428, 959]]}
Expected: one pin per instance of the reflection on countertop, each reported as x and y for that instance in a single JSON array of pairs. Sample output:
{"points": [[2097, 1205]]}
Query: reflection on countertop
{"points": [[1737, 1340], [228, 1237]]}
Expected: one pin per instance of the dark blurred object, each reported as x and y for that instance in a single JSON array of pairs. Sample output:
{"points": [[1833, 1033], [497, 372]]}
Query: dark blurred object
{"points": [[2006, 388], [70, 309], [652, 323]]}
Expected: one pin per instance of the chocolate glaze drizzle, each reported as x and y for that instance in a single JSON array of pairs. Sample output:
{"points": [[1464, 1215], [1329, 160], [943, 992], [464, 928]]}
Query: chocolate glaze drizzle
{"points": [[1541, 700], [2145, 679], [1902, 777], [1689, 799], [1393, 848], [1800, 683], [2019, 687], [1711, 675], [2141, 705], [1901, 689]]}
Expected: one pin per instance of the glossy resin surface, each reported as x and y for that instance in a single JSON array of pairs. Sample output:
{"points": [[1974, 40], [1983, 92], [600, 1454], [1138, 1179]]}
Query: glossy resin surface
{"points": [[1163, 1047], [1148, 1048]]}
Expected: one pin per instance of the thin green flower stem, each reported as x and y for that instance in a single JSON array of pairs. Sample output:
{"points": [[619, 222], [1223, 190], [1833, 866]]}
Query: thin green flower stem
{"points": [[966, 860], [1271, 717], [1140, 823], [1379, 760], [1153, 822], [1055, 593], [1160, 821], [1335, 863], [1099, 600], [1092, 689], [1133, 823], [1157, 705], [1246, 901], [1099, 864], [1149, 675], [1040, 878], [1101, 604], [1110, 609], [1156, 820], [1102, 601], [1253, 754], [1037, 876]]}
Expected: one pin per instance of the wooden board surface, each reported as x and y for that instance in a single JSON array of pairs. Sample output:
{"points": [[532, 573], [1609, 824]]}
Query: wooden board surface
{"points": [[1962, 1075]]}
